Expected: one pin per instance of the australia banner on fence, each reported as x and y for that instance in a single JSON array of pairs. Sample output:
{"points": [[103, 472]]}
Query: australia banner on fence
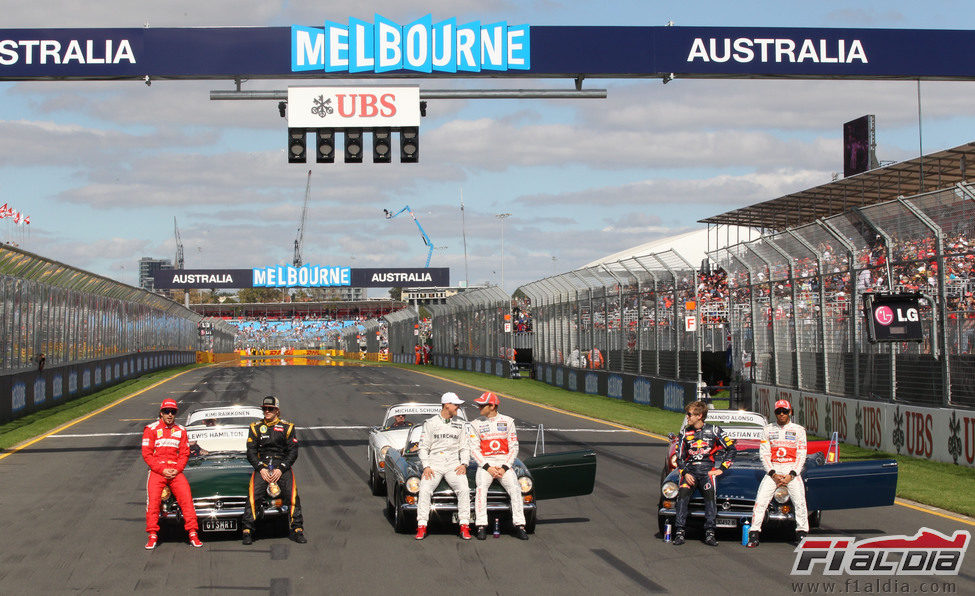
{"points": [[306, 276]]}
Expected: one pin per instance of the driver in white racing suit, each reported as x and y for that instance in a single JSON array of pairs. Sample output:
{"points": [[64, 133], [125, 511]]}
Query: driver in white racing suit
{"points": [[495, 446], [444, 453], [783, 454]]}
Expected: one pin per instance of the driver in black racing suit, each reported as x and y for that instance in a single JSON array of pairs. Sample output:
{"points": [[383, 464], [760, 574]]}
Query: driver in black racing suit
{"points": [[696, 465], [272, 448]]}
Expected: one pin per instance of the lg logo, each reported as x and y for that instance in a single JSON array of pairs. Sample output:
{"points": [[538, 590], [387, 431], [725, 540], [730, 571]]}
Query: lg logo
{"points": [[884, 315]]}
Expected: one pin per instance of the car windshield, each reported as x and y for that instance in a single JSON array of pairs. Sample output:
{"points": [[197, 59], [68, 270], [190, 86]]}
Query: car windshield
{"points": [[405, 420], [413, 440], [415, 414], [231, 416]]}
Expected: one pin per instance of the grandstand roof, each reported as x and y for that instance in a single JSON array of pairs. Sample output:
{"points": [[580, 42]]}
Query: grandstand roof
{"points": [[936, 170]]}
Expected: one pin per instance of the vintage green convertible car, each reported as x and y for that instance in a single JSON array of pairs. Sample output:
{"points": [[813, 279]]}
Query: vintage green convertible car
{"points": [[547, 476], [218, 471]]}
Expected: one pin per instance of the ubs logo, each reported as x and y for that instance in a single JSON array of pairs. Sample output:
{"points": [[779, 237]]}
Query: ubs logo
{"points": [[641, 391], [615, 389], [40, 390], [592, 383], [18, 397], [674, 397]]}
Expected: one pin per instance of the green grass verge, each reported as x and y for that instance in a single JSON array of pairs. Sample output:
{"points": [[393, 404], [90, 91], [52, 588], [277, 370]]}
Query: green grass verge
{"points": [[941, 485], [17, 431]]}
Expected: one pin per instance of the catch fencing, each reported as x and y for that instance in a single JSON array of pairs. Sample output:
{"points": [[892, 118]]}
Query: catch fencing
{"points": [[796, 301], [641, 315], [66, 332]]}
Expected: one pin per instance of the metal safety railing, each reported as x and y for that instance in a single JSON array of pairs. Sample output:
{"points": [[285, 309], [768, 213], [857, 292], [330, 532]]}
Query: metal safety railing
{"points": [[796, 300], [472, 323], [70, 315], [628, 316]]}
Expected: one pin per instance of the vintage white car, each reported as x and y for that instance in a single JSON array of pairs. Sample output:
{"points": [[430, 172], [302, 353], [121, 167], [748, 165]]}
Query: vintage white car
{"points": [[391, 434]]}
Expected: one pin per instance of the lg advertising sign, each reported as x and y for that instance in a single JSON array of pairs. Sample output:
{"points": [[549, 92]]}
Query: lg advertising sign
{"points": [[893, 317], [353, 107]]}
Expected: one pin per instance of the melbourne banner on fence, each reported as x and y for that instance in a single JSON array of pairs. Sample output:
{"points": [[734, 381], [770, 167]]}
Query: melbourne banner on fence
{"points": [[306, 276]]}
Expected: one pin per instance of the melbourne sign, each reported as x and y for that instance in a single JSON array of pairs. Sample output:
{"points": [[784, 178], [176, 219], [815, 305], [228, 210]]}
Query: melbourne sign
{"points": [[306, 276], [420, 46], [346, 107]]}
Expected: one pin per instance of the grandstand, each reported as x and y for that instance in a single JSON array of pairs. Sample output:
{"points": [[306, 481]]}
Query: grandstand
{"points": [[294, 325]]}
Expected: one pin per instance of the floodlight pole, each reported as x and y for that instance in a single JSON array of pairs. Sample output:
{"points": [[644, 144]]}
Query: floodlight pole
{"points": [[502, 217]]}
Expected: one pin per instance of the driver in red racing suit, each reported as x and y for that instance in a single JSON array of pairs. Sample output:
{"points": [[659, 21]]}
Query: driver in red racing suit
{"points": [[166, 450], [696, 466]]}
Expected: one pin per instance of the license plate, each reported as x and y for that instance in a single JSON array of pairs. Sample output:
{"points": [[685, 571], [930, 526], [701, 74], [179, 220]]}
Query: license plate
{"points": [[219, 525], [726, 523]]}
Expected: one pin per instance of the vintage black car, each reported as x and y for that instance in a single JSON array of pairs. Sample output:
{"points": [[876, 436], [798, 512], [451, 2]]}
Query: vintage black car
{"points": [[548, 476]]}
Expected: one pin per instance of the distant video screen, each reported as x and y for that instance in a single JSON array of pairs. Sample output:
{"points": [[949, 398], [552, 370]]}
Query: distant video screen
{"points": [[856, 145]]}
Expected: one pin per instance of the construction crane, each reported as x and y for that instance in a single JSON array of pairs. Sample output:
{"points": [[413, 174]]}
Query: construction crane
{"points": [[179, 246], [423, 235], [300, 239]]}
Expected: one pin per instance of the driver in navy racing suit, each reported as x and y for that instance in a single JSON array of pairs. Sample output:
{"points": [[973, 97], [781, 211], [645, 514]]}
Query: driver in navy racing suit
{"points": [[698, 469]]}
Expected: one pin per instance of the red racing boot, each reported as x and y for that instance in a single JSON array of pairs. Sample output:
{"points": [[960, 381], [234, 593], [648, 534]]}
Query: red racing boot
{"points": [[153, 541], [194, 540], [421, 532], [465, 532]]}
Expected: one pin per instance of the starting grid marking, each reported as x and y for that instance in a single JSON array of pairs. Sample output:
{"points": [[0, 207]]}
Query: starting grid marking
{"points": [[343, 427]]}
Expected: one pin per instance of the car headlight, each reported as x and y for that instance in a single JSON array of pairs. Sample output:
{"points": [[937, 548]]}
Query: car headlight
{"points": [[526, 484], [781, 494], [382, 452], [413, 484], [166, 493], [669, 490]]}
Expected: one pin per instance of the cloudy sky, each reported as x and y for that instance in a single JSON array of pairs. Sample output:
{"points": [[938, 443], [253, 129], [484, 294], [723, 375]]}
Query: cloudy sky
{"points": [[102, 168]]}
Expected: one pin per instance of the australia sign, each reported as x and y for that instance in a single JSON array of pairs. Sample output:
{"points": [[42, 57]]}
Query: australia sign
{"points": [[306, 276]]}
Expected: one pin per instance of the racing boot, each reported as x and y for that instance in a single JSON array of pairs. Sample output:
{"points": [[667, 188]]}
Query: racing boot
{"points": [[248, 538], [195, 540], [298, 535], [421, 532], [520, 533], [481, 533], [152, 541], [753, 539], [800, 536], [678, 538], [709, 538], [465, 532]]}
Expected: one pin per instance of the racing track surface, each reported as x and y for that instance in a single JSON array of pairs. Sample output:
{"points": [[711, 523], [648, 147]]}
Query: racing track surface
{"points": [[72, 510]]}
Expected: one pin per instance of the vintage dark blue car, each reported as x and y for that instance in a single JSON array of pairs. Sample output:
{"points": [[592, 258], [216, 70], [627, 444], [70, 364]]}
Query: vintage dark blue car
{"points": [[829, 485], [548, 476]]}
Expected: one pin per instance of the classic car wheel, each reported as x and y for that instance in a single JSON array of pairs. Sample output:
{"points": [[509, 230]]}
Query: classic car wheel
{"points": [[401, 523], [530, 519], [815, 518], [376, 482]]}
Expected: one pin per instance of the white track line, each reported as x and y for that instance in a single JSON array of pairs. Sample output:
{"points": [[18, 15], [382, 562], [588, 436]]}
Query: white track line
{"points": [[347, 427]]}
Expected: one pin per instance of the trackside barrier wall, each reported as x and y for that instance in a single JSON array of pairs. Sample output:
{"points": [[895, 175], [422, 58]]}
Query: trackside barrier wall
{"points": [[795, 303], [211, 358], [29, 391], [938, 434]]}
